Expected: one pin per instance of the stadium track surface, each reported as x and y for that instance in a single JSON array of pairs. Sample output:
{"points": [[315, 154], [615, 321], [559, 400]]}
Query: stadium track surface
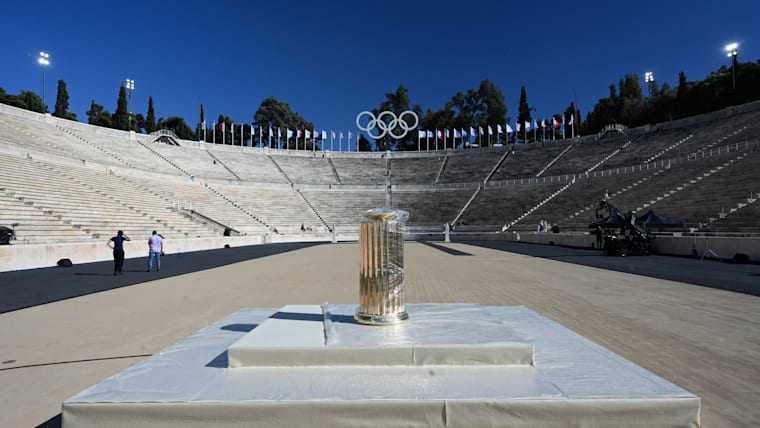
{"points": [[27, 288], [702, 339]]}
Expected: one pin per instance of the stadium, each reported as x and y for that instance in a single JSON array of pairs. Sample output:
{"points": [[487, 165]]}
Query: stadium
{"points": [[67, 187], [256, 227]]}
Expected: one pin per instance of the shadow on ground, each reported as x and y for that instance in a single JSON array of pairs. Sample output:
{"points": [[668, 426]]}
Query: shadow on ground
{"points": [[26, 288]]}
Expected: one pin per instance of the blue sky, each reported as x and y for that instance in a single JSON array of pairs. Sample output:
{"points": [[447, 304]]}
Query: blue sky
{"points": [[331, 60]]}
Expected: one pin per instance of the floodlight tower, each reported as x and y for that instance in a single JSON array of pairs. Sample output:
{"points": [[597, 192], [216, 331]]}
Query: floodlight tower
{"points": [[649, 80], [732, 52], [44, 60], [129, 84]]}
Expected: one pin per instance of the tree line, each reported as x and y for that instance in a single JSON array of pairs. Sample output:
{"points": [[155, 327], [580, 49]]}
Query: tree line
{"points": [[626, 104]]}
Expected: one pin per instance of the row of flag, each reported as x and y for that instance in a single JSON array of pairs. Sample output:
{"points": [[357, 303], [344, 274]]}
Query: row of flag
{"points": [[489, 130], [315, 135], [278, 134]]}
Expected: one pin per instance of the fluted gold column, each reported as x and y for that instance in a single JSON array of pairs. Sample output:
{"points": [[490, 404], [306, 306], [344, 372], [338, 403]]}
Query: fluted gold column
{"points": [[381, 267]]}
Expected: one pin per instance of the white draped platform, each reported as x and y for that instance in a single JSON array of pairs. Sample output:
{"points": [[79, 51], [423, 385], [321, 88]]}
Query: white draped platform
{"points": [[450, 365]]}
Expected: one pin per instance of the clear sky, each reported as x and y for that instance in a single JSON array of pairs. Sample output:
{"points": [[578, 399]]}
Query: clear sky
{"points": [[331, 60]]}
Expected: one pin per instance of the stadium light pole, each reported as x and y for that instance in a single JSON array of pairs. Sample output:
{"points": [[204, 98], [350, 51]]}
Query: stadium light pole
{"points": [[44, 60], [649, 80], [129, 84], [732, 52]]}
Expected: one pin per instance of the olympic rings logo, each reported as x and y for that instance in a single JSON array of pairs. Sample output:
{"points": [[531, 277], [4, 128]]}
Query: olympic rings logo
{"points": [[386, 122]]}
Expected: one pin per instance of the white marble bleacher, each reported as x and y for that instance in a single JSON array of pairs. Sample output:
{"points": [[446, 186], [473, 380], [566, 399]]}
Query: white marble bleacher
{"points": [[582, 198], [501, 205], [526, 161], [471, 165], [247, 164], [278, 206], [185, 194], [415, 169], [731, 179], [77, 196], [312, 168], [583, 156], [353, 169], [195, 161], [431, 205], [28, 131], [647, 146], [33, 224], [344, 207], [158, 209], [125, 147]]}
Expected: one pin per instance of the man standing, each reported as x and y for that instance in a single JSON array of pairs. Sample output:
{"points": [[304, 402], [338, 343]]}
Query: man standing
{"points": [[155, 248], [117, 245]]}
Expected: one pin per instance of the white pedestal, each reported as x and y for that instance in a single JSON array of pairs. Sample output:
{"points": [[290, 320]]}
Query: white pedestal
{"points": [[317, 371]]}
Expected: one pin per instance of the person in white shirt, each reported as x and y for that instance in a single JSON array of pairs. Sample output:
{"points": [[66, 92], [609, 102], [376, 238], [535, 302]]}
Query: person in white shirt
{"points": [[155, 249]]}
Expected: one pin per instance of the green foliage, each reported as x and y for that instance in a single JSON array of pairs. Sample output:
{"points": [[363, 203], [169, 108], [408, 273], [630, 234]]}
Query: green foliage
{"points": [[96, 115], [177, 125], [277, 114], [398, 102], [523, 110], [364, 144], [120, 119], [150, 120], [25, 99], [61, 100]]}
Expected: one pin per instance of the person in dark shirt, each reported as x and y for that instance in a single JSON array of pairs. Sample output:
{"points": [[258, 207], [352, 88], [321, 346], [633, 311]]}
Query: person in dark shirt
{"points": [[117, 245]]}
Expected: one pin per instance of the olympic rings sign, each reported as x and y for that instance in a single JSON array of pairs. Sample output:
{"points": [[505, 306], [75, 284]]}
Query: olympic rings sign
{"points": [[386, 122]]}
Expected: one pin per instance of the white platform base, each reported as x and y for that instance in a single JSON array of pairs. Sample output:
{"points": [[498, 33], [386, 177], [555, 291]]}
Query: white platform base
{"points": [[568, 381]]}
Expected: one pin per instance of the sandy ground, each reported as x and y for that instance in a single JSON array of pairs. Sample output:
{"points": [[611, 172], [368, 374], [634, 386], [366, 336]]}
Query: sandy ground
{"points": [[704, 340]]}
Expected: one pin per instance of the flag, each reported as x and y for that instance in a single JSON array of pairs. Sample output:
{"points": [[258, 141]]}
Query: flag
{"points": [[490, 130], [465, 134], [499, 130], [288, 133], [556, 123], [430, 134], [535, 125], [203, 124], [270, 131], [518, 126], [571, 119], [420, 134], [324, 135], [279, 133], [333, 134], [447, 133], [509, 128], [298, 133], [457, 134], [527, 125], [308, 134], [480, 129], [543, 123], [341, 135], [472, 131]]}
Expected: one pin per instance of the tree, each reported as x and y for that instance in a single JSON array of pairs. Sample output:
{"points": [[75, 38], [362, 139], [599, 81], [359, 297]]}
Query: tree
{"points": [[120, 118], [492, 100], [277, 114], [62, 103], [201, 124], [523, 111], [150, 120], [177, 125], [96, 115], [364, 144], [397, 103]]}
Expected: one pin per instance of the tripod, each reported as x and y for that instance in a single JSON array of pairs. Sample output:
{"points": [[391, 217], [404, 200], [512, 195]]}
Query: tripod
{"points": [[708, 250]]}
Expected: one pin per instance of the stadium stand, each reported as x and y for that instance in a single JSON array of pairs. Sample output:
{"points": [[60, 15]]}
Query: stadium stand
{"points": [[64, 181]]}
